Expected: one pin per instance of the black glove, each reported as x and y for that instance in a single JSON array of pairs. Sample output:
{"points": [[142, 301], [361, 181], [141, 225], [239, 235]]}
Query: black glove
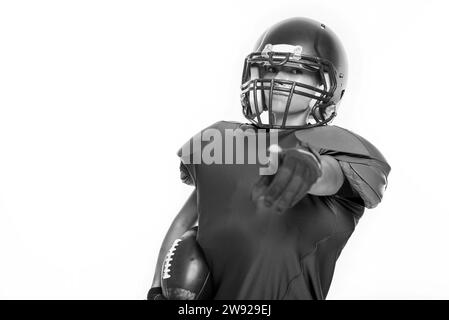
{"points": [[155, 294]]}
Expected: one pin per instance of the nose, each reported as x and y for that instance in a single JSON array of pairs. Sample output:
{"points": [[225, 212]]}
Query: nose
{"points": [[284, 75], [281, 74]]}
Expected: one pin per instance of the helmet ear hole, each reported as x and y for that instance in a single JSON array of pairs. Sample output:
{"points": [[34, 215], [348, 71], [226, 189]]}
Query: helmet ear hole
{"points": [[328, 111]]}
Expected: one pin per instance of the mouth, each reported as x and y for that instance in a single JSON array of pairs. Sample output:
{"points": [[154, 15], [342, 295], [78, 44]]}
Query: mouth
{"points": [[280, 93], [278, 90]]}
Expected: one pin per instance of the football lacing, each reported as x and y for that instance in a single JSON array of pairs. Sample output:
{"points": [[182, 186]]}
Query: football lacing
{"points": [[168, 259]]}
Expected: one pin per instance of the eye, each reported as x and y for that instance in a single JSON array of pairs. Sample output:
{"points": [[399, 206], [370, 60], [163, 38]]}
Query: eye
{"points": [[270, 69]]}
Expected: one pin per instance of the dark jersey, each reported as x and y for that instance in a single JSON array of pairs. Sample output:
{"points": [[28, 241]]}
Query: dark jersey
{"points": [[254, 253]]}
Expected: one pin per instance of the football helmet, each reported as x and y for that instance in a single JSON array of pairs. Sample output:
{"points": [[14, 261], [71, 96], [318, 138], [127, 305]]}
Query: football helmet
{"points": [[312, 47]]}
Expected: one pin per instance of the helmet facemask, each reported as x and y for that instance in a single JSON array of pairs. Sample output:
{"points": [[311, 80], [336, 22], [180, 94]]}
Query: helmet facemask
{"points": [[257, 92]]}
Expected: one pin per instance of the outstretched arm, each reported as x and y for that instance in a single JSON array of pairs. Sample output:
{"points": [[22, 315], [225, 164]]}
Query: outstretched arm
{"points": [[331, 178], [302, 170]]}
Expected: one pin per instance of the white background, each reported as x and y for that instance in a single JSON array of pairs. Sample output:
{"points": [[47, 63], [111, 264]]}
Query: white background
{"points": [[97, 96]]}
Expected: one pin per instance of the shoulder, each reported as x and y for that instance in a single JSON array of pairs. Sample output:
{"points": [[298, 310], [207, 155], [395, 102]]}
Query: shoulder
{"points": [[186, 149], [338, 139], [223, 125], [363, 165]]}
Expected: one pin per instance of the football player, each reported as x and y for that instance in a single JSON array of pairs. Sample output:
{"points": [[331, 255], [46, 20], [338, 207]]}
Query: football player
{"points": [[278, 236]]}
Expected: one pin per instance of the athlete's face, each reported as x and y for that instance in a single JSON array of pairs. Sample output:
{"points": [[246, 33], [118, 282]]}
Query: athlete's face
{"points": [[299, 103]]}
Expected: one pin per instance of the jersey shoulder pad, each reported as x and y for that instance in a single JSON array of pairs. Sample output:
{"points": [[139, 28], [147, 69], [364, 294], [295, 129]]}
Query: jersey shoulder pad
{"points": [[362, 163], [340, 140], [193, 146]]}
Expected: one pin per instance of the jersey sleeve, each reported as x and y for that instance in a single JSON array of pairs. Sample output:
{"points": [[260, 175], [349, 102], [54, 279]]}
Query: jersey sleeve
{"points": [[185, 174], [366, 172], [347, 192], [190, 154], [367, 177], [187, 166]]}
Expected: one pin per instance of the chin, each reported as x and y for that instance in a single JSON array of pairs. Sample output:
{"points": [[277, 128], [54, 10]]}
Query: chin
{"points": [[297, 105]]}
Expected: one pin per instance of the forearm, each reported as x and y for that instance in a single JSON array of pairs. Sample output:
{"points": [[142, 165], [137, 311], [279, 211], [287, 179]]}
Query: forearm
{"points": [[331, 178], [185, 219]]}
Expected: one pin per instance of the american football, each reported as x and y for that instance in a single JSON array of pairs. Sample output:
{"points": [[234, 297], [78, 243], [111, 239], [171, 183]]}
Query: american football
{"points": [[185, 274]]}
